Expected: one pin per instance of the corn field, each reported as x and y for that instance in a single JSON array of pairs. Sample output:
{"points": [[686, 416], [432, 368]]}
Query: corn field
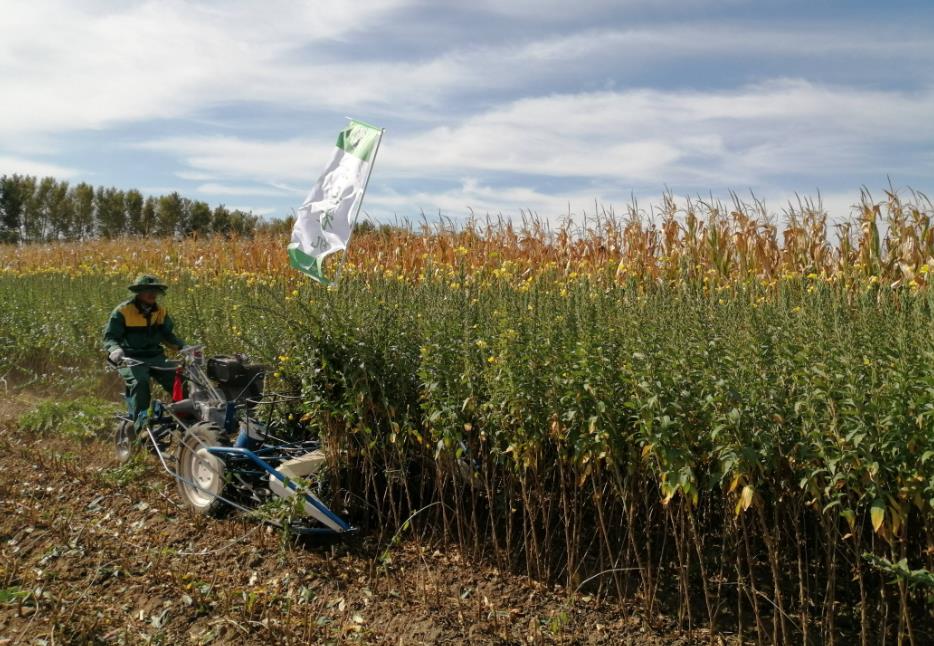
{"points": [[722, 416]]}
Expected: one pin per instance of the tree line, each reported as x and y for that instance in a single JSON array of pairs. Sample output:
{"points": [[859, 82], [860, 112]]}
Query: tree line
{"points": [[42, 210]]}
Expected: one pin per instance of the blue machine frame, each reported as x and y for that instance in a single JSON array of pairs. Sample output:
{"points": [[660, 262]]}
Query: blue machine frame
{"points": [[160, 425], [221, 451]]}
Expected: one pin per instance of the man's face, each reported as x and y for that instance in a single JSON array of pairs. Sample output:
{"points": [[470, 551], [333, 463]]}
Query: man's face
{"points": [[148, 296]]}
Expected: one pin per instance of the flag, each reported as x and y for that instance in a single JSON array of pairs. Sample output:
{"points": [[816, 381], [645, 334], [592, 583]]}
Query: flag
{"points": [[324, 222]]}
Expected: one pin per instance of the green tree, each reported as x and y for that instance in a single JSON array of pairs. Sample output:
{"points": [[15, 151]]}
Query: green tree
{"points": [[82, 198], [111, 212], [199, 218], [242, 223], [31, 207], [61, 212], [15, 190], [170, 214], [34, 210], [134, 212], [37, 215], [220, 220], [148, 220], [278, 226]]}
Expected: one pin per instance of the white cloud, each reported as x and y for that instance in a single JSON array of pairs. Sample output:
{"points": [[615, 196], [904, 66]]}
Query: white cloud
{"points": [[194, 176], [420, 90], [724, 137], [16, 165], [734, 138], [635, 45], [71, 67], [229, 157], [68, 66], [213, 188], [560, 10]]}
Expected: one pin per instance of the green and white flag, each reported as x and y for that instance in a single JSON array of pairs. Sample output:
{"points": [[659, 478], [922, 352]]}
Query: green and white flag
{"points": [[324, 222]]}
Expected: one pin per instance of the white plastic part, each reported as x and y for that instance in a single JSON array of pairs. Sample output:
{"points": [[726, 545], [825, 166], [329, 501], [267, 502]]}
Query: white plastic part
{"points": [[303, 466]]}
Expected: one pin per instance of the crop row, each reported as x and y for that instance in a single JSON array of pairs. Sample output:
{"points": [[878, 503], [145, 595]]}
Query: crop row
{"points": [[748, 455], [889, 242]]}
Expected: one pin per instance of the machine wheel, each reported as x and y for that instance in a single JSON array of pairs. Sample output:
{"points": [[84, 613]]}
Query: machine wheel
{"points": [[125, 441], [201, 474]]}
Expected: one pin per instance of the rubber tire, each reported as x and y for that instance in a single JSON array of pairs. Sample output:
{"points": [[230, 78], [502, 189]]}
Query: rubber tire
{"points": [[125, 443], [207, 471]]}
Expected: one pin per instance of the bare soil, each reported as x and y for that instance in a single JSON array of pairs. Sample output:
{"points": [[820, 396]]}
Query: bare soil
{"points": [[85, 560]]}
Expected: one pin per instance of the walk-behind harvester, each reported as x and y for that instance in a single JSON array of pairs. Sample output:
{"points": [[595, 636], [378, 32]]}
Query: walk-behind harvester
{"points": [[222, 456]]}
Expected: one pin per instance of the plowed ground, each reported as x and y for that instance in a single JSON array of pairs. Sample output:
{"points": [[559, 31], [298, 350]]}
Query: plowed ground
{"points": [[85, 559]]}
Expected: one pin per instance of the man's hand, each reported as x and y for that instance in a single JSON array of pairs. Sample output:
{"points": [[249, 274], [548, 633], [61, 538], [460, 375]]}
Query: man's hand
{"points": [[116, 355]]}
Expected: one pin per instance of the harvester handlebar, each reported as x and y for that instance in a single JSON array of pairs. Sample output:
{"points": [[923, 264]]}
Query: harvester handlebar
{"points": [[129, 362]]}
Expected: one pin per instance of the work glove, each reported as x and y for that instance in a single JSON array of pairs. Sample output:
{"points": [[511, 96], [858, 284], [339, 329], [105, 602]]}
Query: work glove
{"points": [[116, 355]]}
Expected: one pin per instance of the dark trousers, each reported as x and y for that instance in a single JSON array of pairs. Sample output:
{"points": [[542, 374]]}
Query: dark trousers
{"points": [[138, 391]]}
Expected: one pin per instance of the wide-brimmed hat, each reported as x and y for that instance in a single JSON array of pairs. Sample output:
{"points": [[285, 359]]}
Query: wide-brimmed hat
{"points": [[147, 283]]}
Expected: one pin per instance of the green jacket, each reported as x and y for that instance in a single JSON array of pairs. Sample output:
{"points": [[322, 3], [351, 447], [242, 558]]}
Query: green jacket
{"points": [[139, 335]]}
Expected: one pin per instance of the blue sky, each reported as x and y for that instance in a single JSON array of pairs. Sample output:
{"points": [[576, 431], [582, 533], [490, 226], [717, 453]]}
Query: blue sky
{"points": [[489, 106]]}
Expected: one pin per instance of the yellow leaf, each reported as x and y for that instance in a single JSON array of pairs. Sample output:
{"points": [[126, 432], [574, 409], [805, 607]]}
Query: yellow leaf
{"points": [[894, 512], [877, 513], [850, 517], [734, 483], [668, 492], [746, 497]]}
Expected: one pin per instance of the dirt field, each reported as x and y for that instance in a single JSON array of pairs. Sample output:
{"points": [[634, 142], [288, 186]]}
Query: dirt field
{"points": [[85, 558]]}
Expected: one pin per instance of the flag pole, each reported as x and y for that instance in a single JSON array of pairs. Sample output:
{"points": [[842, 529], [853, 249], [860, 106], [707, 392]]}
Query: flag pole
{"points": [[356, 214]]}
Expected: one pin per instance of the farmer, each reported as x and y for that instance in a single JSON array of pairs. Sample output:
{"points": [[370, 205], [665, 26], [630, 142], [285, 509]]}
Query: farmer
{"points": [[137, 329]]}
